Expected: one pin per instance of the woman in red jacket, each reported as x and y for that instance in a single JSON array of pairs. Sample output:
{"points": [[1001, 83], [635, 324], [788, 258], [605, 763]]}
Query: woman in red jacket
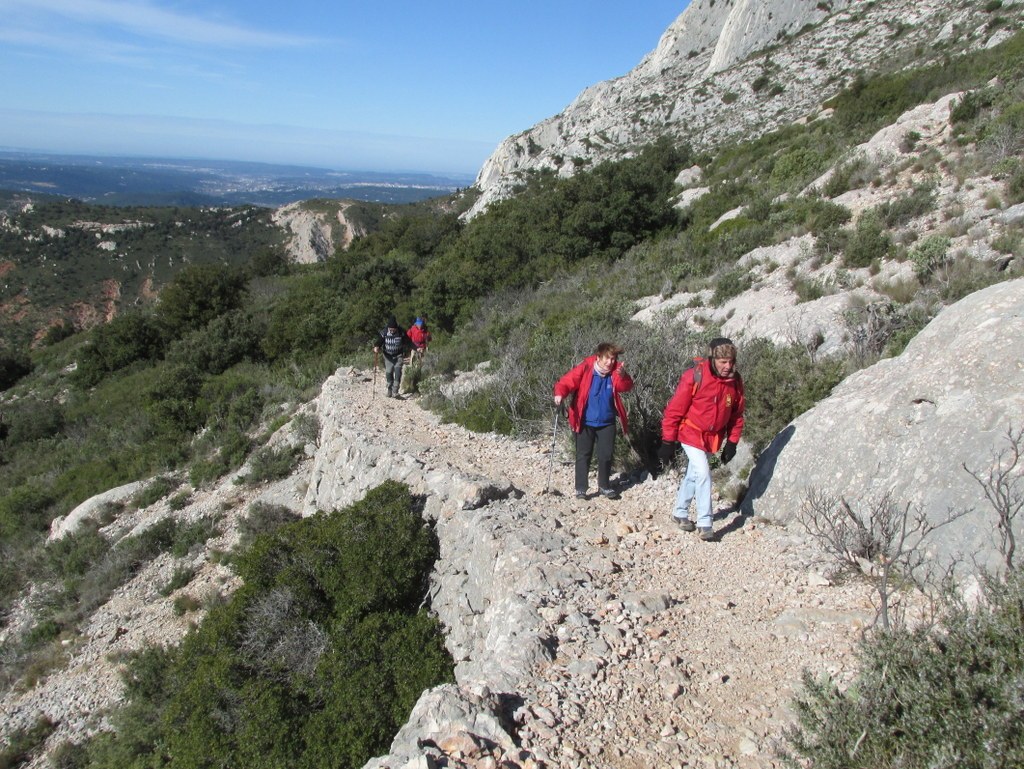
{"points": [[595, 385], [706, 409]]}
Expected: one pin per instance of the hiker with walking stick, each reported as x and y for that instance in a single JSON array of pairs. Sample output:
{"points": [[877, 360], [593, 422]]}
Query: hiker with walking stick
{"points": [[594, 386], [706, 409], [393, 343]]}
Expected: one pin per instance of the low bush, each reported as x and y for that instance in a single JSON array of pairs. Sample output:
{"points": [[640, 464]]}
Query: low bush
{"points": [[781, 383], [24, 744], [730, 284], [155, 490], [315, 662], [33, 420], [947, 695], [868, 243], [263, 518], [13, 366], [898, 212], [271, 464], [181, 577]]}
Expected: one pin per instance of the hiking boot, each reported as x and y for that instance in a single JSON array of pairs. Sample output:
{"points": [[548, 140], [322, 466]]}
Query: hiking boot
{"points": [[609, 493], [684, 523], [708, 534], [581, 495]]}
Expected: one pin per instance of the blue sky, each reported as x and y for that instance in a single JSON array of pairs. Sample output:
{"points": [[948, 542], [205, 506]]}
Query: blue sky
{"points": [[386, 85]]}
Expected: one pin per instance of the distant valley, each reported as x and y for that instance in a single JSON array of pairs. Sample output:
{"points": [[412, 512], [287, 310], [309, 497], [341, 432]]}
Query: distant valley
{"points": [[125, 181]]}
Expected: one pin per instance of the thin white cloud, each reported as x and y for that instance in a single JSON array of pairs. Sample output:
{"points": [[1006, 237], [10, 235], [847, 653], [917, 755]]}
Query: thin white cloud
{"points": [[147, 20]]}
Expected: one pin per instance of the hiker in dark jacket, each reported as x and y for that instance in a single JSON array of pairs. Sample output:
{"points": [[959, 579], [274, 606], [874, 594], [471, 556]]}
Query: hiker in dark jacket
{"points": [[706, 409], [393, 343], [595, 385]]}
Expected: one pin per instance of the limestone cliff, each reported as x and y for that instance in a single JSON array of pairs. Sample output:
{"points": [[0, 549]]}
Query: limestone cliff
{"points": [[725, 70]]}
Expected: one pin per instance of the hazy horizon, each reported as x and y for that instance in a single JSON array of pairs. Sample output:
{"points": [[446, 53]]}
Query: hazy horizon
{"points": [[431, 87]]}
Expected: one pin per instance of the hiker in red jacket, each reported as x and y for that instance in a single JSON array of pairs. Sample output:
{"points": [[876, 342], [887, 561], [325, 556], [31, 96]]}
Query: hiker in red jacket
{"points": [[706, 409], [420, 337], [595, 385]]}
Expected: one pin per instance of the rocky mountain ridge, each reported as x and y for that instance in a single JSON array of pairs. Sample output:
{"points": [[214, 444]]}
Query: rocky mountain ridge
{"points": [[736, 70]]}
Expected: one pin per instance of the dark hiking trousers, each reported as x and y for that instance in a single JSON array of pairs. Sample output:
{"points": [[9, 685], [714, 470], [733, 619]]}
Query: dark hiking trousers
{"points": [[393, 373], [603, 438]]}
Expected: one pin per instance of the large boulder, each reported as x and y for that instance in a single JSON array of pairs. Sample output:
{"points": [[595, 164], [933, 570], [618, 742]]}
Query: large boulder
{"points": [[908, 426]]}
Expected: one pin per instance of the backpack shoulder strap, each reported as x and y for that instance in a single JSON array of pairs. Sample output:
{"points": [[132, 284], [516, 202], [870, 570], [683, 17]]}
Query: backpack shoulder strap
{"points": [[698, 374]]}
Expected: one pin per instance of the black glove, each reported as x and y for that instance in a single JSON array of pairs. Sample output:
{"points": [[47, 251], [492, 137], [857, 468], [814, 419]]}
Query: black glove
{"points": [[667, 452], [728, 452]]}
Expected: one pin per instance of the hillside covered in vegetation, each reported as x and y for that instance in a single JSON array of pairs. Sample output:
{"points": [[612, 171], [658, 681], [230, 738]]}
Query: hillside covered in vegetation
{"points": [[189, 386]]}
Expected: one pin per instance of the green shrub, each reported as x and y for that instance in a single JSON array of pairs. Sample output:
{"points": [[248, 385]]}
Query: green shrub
{"points": [[928, 255], [895, 213], [187, 536], [315, 662], [33, 420], [183, 604], [780, 384], [155, 490], [1015, 185], [271, 464], [234, 399], [71, 556], [263, 518], [175, 402], [24, 744], [13, 366], [945, 695], [796, 168], [25, 508], [730, 284], [198, 294], [869, 242], [181, 577], [121, 342], [226, 340], [229, 453], [478, 412], [180, 500]]}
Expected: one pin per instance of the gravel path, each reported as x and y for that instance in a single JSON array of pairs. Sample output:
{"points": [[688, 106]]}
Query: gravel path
{"points": [[698, 646]]}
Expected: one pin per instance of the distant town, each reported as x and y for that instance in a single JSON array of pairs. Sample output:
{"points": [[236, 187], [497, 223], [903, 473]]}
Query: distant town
{"points": [[124, 181]]}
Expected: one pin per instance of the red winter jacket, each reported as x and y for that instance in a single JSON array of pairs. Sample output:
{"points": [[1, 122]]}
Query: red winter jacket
{"points": [[577, 381], [704, 419], [419, 335]]}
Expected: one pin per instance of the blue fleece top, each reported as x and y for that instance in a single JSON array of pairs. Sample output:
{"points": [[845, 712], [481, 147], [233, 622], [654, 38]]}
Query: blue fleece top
{"points": [[600, 411]]}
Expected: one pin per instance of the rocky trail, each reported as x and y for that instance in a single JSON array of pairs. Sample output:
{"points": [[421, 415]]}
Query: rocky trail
{"points": [[683, 653], [588, 634]]}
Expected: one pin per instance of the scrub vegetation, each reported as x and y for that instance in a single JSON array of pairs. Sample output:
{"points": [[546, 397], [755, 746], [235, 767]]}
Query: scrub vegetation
{"points": [[188, 388]]}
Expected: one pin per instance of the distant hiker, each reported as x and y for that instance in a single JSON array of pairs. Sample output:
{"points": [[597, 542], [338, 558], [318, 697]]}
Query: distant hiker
{"points": [[393, 343], [706, 409], [420, 337], [594, 386]]}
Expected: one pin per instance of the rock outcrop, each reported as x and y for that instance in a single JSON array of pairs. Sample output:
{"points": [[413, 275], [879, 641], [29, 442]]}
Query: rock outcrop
{"points": [[908, 426], [313, 236], [729, 70]]}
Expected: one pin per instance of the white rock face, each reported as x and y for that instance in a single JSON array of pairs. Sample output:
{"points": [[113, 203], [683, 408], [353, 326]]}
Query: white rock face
{"points": [[907, 425], [314, 236], [697, 84]]}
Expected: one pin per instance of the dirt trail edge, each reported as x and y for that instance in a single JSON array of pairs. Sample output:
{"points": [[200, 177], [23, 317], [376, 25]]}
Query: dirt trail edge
{"points": [[686, 653]]}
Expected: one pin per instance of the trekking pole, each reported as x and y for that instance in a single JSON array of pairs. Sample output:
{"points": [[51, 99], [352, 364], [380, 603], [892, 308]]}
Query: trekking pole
{"points": [[551, 461], [373, 393]]}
